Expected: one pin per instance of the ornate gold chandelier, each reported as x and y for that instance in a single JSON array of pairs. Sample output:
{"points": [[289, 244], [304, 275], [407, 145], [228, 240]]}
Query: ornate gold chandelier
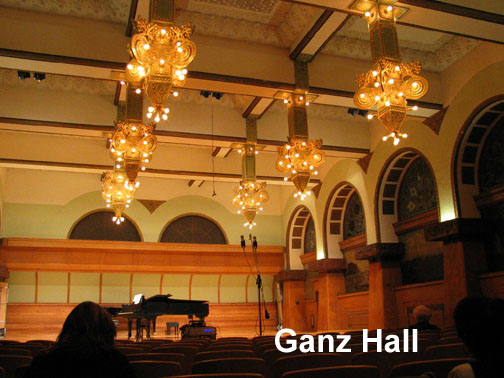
{"points": [[118, 192], [390, 83], [160, 53], [132, 145], [300, 157], [249, 198], [251, 194]]}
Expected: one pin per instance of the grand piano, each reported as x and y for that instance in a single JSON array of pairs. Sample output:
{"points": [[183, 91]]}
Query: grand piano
{"points": [[145, 312]]}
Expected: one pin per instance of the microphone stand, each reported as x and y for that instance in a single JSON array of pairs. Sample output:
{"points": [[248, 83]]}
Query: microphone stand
{"points": [[258, 282]]}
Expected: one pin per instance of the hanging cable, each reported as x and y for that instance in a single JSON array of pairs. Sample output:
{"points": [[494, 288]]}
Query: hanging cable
{"points": [[213, 157]]}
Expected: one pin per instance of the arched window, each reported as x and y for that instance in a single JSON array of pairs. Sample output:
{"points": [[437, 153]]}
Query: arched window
{"points": [[479, 174], [301, 237], [353, 221], [99, 226], [194, 229]]}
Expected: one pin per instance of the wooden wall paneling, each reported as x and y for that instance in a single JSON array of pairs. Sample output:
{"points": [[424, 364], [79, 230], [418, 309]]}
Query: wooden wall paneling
{"points": [[492, 284], [32, 321], [430, 294], [139, 257], [353, 310], [310, 309]]}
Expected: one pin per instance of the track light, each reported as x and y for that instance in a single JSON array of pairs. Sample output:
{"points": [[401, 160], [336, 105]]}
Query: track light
{"points": [[352, 111], [39, 76], [217, 95], [23, 75], [205, 94]]}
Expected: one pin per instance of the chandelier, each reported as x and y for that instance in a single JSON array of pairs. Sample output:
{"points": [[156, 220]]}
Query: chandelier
{"points": [[132, 145], [300, 157], [118, 192], [249, 198], [160, 53], [390, 83], [251, 194]]}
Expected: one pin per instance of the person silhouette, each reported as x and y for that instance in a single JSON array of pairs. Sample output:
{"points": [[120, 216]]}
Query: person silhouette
{"points": [[83, 349], [480, 324], [422, 314]]}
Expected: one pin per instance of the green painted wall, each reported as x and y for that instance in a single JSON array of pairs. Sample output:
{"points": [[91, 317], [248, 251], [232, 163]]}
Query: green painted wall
{"points": [[53, 221]]}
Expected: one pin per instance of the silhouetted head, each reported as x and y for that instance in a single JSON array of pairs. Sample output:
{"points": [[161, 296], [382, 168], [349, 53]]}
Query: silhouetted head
{"points": [[480, 324], [88, 325], [422, 313]]}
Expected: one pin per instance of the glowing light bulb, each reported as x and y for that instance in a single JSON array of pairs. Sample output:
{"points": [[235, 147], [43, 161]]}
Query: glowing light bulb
{"points": [[138, 91], [130, 66], [415, 107], [146, 46], [367, 14], [391, 81], [162, 62], [362, 95], [175, 94], [164, 116], [375, 73]]}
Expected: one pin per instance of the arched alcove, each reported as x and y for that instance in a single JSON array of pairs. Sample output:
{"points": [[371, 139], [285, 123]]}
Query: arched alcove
{"points": [[344, 231], [98, 225], [469, 180], [301, 237], [194, 229], [479, 174]]}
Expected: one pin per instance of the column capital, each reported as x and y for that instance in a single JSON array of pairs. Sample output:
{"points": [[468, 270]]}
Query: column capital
{"points": [[380, 252], [327, 266], [457, 229], [291, 275]]}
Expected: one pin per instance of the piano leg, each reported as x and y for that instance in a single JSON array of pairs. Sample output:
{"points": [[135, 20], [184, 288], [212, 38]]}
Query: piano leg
{"points": [[147, 328], [139, 330], [153, 325], [130, 324]]}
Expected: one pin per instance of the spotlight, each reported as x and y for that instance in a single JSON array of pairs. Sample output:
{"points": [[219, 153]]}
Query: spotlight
{"points": [[39, 76], [362, 113], [205, 94], [23, 75], [217, 95], [352, 111]]}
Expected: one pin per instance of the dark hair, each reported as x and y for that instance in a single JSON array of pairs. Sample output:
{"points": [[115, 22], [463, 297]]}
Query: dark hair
{"points": [[88, 326], [480, 324]]}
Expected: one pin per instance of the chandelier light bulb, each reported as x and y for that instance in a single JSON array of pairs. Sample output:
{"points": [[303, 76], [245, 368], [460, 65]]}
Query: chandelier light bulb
{"points": [[415, 107], [175, 94], [138, 91]]}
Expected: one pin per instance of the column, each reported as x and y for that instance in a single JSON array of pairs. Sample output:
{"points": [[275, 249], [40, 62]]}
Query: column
{"points": [[384, 275], [331, 283], [293, 295], [464, 258]]}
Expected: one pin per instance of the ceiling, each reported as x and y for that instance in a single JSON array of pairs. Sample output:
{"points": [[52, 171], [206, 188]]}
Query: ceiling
{"points": [[245, 50]]}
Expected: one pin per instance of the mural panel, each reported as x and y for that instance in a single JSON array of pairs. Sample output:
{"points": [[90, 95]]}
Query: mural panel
{"points": [[417, 193], [353, 223]]}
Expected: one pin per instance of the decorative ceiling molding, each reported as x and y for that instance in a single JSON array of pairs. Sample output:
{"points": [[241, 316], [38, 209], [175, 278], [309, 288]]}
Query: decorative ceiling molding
{"points": [[364, 162], [151, 205], [110, 10], [434, 121]]}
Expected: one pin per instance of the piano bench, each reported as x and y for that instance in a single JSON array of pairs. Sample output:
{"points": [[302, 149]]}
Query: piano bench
{"points": [[173, 325]]}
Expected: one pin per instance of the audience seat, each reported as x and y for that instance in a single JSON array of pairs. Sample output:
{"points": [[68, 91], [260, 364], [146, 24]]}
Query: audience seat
{"points": [[228, 346], [450, 340], [11, 362], [439, 367], [306, 361], [155, 369], [373, 358], [335, 372], [16, 352], [130, 350], [21, 371], [437, 352], [223, 375], [232, 365], [218, 354]]}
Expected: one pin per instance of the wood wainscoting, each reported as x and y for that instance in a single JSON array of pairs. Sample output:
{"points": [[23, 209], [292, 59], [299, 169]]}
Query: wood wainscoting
{"points": [[354, 310], [140, 257], [492, 284], [430, 294], [28, 321]]}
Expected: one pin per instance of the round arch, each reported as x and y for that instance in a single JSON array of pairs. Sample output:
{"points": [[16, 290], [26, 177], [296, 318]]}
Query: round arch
{"points": [[387, 191], [97, 225], [467, 154], [296, 236], [193, 228], [334, 217]]}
